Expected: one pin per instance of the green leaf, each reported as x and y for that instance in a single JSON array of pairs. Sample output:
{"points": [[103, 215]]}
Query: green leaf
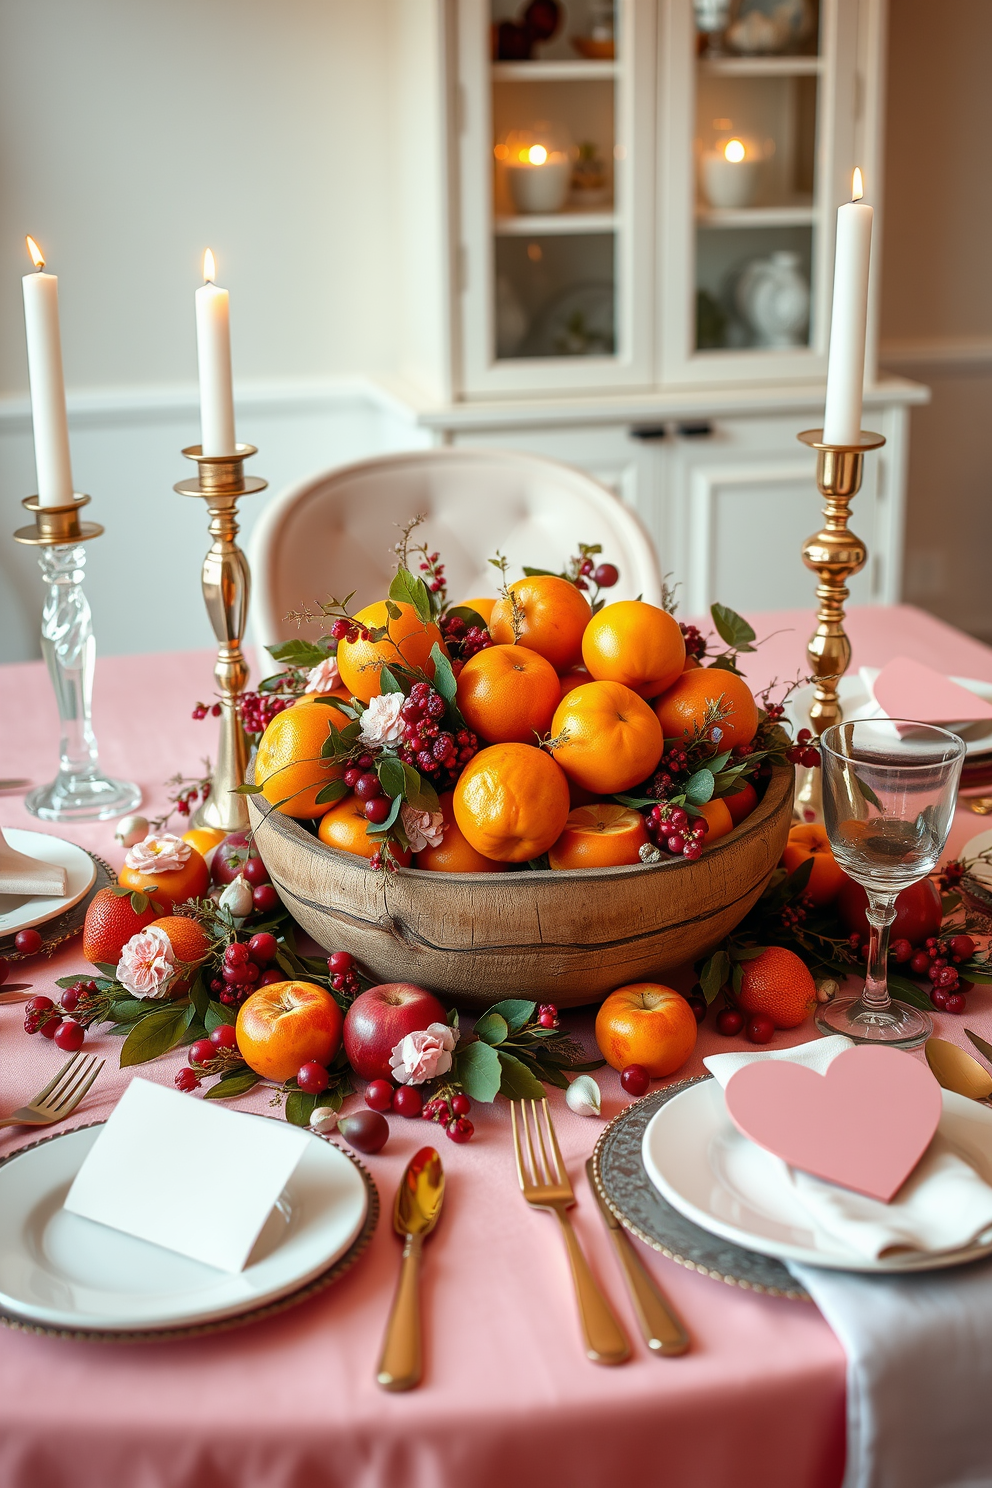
{"points": [[717, 763], [108, 971], [869, 796], [247, 790], [732, 628], [393, 610], [491, 1029], [748, 953], [444, 678], [798, 879], [217, 1014], [420, 794], [518, 1082], [531, 573], [700, 787], [466, 613], [387, 680], [299, 653], [156, 1034], [406, 588], [391, 775], [908, 991], [515, 1012], [301, 1104], [127, 1009], [713, 974], [983, 1048], [199, 996], [231, 1085], [726, 664], [637, 802], [737, 977], [334, 790], [477, 1068]]}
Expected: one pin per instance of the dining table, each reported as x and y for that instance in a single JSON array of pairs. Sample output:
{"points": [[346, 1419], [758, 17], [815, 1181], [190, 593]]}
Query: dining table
{"points": [[508, 1396]]}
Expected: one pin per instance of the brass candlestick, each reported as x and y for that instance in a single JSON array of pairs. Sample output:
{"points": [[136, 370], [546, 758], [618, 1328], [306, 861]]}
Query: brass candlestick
{"points": [[834, 554], [80, 791], [226, 590]]}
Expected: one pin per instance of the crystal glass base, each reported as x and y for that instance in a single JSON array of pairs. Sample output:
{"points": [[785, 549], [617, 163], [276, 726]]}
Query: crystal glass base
{"points": [[89, 797], [898, 1025]]}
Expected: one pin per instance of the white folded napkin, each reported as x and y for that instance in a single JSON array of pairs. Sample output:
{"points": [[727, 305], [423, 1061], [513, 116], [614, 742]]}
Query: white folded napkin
{"points": [[943, 1204]]}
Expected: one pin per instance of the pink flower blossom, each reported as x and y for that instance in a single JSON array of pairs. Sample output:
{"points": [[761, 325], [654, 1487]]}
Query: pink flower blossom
{"points": [[147, 964], [324, 677], [423, 1054], [158, 854], [381, 721], [422, 828]]}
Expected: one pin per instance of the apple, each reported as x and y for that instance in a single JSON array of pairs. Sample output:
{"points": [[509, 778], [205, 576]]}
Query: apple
{"points": [[285, 1025], [379, 1018], [646, 1024], [230, 857], [918, 911]]}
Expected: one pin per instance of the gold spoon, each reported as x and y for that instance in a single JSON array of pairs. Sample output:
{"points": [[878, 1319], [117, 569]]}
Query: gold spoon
{"points": [[955, 1070], [415, 1213]]}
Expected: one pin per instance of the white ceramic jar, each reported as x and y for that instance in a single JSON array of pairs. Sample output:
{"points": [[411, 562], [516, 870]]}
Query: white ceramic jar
{"points": [[773, 298]]}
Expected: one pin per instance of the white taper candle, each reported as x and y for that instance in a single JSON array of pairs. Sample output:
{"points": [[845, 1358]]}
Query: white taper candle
{"points": [[51, 429], [213, 347], [846, 364]]}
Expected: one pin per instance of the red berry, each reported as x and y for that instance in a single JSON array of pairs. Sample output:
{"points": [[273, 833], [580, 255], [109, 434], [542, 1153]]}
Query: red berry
{"points": [[548, 1018], [69, 1000], [901, 951], [460, 1130], [760, 1029], [962, 946], [920, 964], [939, 997], [270, 976], [224, 1036], [377, 809], [186, 1080], [237, 954], [200, 1051], [255, 872], [635, 1079], [698, 1005], [50, 1028], [729, 1022], [262, 948], [312, 1077], [339, 961], [264, 898], [367, 786], [4, 970], [69, 1035], [28, 942], [606, 575], [460, 1104], [408, 1101], [238, 976], [956, 1003], [379, 1094], [39, 1005]]}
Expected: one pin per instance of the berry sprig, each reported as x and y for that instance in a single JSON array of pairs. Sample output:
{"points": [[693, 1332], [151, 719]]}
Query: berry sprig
{"points": [[588, 575], [805, 751], [185, 791], [345, 979], [432, 750], [463, 640], [450, 1107], [670, 830], [257, 710]]}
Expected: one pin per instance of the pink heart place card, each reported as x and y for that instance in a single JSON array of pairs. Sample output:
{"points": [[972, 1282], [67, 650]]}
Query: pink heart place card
{"points": [[864, 1124], [907, 689]]}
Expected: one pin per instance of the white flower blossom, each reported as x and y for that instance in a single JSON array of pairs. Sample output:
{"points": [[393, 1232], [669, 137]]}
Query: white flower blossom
{"points": [[381, 721], [147, 965], [422, 1055], [163, 854], [324, 677], [422, 828]]}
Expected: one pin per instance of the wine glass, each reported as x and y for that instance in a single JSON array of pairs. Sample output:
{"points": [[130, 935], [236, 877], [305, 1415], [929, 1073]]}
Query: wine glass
{"points": [[889, 791]]}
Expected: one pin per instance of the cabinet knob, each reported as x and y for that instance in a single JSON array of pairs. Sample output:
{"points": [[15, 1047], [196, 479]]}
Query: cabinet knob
{"points": [[699, 429], [648, 431]]}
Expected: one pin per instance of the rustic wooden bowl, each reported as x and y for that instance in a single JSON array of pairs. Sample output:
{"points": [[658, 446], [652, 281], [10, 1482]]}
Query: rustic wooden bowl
{"points": [[568, 938]]}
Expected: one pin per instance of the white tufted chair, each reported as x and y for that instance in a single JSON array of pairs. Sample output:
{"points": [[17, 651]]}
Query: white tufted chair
{"points": [[334, 534]]}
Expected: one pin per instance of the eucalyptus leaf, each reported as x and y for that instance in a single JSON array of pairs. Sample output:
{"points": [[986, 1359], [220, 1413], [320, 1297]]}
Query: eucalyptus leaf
{"points": [[156, 1034], [406, 588], [477, 1068], [231, 1085], [517, 1082], [732, 628], [700, 787], [516, 1011], [388, 681], [491, 1029]]}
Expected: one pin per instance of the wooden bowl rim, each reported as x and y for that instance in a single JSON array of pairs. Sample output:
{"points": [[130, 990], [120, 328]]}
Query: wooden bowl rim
{"points": [[780, 785]]}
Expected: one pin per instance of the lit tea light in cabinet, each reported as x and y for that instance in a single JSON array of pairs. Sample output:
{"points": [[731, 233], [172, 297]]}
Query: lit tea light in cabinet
{"points": [[538, 166], [730, 174]]}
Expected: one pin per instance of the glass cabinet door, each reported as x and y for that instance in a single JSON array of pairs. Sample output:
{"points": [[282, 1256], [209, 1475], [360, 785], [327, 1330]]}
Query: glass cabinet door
{"points": [[556, 164]]}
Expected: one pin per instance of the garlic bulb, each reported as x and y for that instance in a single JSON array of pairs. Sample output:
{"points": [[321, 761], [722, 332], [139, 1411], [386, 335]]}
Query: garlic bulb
{"points": [[323, 1120], [131, 829], [237, 898], [583, 1096], [827, 989]]}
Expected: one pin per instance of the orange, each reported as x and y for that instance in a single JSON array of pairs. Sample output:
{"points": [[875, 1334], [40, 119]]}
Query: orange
{"points": [[508, 694], [682, 709], [483, 607], [456, 854], [602, 836], [191, 946], [344, 827], [742, 802], [634, 643], [204, 839], [610, 738], [511, 802], [777, 983], [288, 766], [573, 678], [111, 920], [285, 1025], [646, 1024], [191, 881], [827, 877], [718, 820], [555, 615], [409, 644]]}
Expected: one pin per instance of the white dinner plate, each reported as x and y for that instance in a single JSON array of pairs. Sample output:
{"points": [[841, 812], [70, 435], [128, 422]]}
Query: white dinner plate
{"points": [[21, 911], [63, 1271], [981, 871], [857, 702], [711, 1173]]}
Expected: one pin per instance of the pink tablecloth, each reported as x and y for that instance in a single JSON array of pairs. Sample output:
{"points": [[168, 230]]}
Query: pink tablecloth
{"points": [[508, 1397]]}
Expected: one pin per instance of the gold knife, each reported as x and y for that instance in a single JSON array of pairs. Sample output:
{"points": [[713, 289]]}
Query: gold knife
{"points": [[663, 1330]]}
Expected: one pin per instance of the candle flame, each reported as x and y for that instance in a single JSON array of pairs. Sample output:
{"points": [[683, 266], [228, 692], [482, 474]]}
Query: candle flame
{"points": [[37, 257], [734, 151], [857, 185], [209, 268], [537, 154]]}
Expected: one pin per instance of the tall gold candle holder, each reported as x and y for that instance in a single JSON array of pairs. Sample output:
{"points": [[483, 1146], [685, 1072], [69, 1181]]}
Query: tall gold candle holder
{"points": [[835, 555], [226, 579]]}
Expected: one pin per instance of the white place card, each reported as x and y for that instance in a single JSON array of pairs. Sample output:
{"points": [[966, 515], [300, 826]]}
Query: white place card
{"points": [[186, 1174]]}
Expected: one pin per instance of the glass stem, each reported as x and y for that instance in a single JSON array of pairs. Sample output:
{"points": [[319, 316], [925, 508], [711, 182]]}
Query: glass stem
{"points": [[881, 912], [69, 649]]}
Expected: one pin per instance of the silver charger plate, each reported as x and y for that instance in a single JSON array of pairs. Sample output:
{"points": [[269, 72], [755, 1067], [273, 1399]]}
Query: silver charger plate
{"points": [[620, 1177]]}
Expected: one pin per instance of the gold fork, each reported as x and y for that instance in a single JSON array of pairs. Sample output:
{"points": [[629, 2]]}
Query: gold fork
{"points": [[60, 1096], [545, 1183]]}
